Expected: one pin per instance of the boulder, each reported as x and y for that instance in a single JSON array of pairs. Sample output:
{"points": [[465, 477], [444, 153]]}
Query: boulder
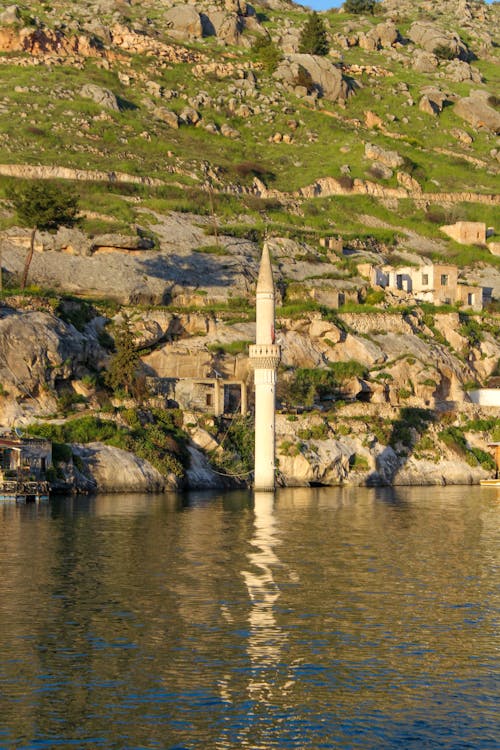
{"points": [[183, 22], [429, 36], [112, 469], [459, 70], [377, 154], [462, 136], [384, 34], [476, 110], [227, 26], [424, 62], [116, 242], [429, 106], [168, 116], [10, 15], [381, 171], [189, 116], [201, 475], [368, 43], [324, 76], [101, 96]]}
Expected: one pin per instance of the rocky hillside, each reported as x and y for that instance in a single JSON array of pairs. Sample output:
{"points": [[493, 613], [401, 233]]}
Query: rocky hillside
{"points": [[191, 132]]}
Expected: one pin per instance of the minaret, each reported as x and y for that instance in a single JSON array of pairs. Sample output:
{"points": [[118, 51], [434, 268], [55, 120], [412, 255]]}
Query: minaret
{"points": [[264, 357]]}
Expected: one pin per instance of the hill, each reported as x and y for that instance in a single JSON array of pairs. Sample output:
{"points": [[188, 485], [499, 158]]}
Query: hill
{"points": [[192, 132]]}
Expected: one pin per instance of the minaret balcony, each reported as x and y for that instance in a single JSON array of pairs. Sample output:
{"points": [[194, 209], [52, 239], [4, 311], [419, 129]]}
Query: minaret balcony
{"points": [[264, 356]]}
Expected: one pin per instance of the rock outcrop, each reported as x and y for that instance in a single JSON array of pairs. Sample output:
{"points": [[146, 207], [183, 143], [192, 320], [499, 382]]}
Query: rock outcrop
{"points": [[313, 73], [109, 469], [476, 110], [429, 36], [38, 351]]}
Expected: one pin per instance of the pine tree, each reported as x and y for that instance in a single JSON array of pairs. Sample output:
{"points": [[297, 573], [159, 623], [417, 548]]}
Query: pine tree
{"points": [[43, 207], [313, 37], [122, 368]]}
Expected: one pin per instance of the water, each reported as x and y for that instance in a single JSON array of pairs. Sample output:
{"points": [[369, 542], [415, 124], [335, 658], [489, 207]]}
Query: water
{"points": [[329, 618]]}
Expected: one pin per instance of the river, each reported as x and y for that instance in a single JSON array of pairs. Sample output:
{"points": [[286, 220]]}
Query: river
{"points": [[317, 618]]}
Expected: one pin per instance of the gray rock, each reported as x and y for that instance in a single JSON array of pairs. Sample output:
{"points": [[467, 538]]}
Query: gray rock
{"points": [[104, 97], [424, 62], [10, 15], [168, 116], [384, 34], [38, 350], [120, 242], [430, 37], [428, 105], [189, 116], [389, 158], [459, 70], [476, 110], [112, 469], [326, 78], [381, 170], [227, 26], [184, 22]]}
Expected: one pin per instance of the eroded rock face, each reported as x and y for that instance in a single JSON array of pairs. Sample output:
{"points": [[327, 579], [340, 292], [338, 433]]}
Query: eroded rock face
{"points": [[38, 351]]}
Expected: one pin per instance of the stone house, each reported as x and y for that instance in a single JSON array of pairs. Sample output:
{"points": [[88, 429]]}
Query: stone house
{"points": [[208, 395], [466, 232], [436, 283], [24, 458]]}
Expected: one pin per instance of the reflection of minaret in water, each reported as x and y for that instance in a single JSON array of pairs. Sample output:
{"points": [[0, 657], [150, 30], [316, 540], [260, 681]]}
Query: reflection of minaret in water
{"points": [[265, 356], [265, 640]]}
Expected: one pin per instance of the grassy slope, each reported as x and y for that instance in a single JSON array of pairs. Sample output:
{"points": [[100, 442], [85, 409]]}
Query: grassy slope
{"points": [[48, 122]]}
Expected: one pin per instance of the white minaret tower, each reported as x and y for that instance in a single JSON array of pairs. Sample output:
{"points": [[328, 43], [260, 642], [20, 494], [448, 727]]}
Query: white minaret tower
{"points": [[265, 356]]}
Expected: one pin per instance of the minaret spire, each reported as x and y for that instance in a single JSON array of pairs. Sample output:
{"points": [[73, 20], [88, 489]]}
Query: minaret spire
{"points": [[265, 357]]}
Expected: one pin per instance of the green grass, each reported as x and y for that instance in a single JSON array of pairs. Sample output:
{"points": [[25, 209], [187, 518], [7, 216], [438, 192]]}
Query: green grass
{"points": [[233, 348]]}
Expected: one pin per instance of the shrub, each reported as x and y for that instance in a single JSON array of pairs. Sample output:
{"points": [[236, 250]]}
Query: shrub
{"points": [[234, 347], [252, 168], [76, 312], [358, 463], [345, 182], [267, 52], [316, 432], [288, 448], [347, 370], [304, 78], [211, 250], [444, 52], [61, 453], [360, 6]]}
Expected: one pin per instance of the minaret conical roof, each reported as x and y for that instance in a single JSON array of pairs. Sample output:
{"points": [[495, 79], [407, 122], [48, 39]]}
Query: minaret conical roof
{"points": [[265, 280]]}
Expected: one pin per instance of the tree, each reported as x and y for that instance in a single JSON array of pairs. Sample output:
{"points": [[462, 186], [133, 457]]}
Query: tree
{"points": [[268, 53], [360, 6], [43, 207], [122, 369], [313, 37]]}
